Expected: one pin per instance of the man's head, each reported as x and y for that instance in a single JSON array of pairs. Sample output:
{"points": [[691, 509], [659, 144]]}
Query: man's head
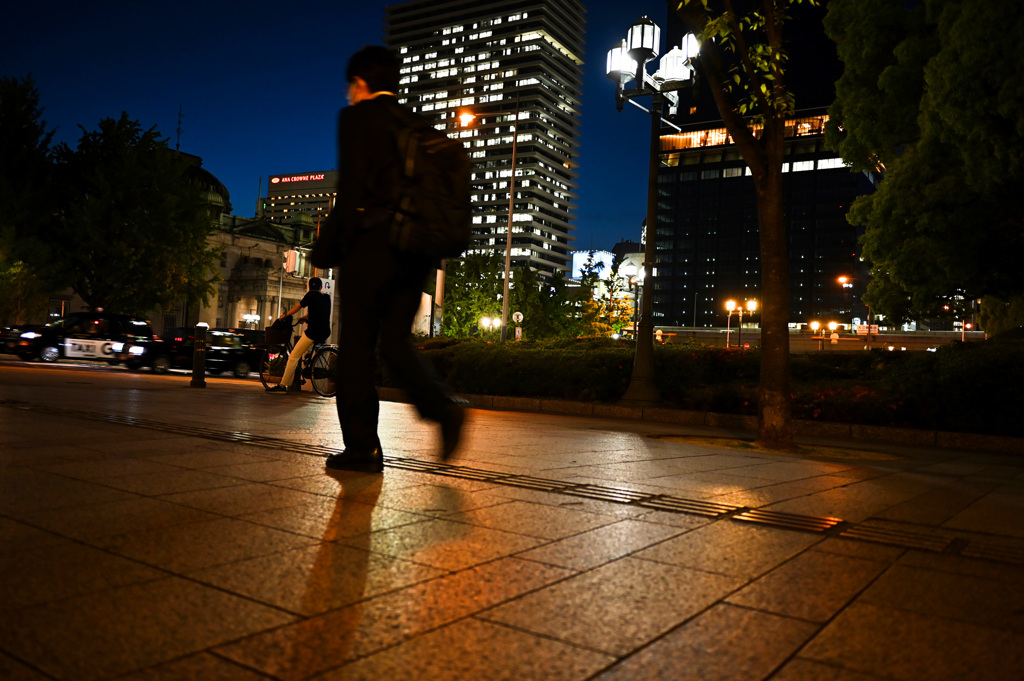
{"points": [[372, 69], [315, 284]]}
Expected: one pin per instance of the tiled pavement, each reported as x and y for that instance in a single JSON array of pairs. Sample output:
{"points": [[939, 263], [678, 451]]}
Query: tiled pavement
{"points": [[154, 531]]}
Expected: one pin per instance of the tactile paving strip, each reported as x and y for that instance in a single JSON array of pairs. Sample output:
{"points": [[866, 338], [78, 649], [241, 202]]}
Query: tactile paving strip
{"points": [[790, 520], [877, 531], [882, 532]]}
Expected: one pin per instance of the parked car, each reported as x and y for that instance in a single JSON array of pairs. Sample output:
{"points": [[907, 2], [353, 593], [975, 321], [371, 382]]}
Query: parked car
{"points": [[82, 335], [226, 350], [139, 352], [9, 339]]}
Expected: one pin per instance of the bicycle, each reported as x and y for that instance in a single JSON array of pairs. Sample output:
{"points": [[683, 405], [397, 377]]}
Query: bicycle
{"points": [[318, 365]]}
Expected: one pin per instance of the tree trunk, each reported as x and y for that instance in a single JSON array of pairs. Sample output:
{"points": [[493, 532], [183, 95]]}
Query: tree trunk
{"points": [[775, 413]]}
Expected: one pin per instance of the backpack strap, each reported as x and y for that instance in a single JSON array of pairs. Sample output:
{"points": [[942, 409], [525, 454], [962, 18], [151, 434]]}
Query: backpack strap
{"points": [[408, 141]]}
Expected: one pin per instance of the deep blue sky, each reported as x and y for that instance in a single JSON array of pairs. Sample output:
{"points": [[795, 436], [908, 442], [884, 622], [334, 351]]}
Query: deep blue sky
{"points": [[259, 85]]}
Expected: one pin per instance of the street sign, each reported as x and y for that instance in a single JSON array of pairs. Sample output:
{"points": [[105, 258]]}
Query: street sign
{"points": [[517, 317]]}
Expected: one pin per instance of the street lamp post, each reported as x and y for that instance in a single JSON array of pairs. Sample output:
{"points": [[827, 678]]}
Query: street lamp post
{"points": [[466, 118], [730, 305], [751, 306], [815, 326], [511, 215], [845, 282], [626, 62], [490, 325]]}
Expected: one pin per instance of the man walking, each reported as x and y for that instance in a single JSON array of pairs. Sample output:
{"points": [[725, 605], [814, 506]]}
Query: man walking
{"points": [[380, 287]]}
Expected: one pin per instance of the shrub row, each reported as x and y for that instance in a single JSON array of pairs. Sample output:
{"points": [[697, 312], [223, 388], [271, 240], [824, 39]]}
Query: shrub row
{"points": [[972, 387]]}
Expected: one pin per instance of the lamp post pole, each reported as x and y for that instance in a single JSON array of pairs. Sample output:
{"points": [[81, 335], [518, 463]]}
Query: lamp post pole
{"points": [[642, 387], [730, 305], [511, 215], [626, 62], [751, 306]]}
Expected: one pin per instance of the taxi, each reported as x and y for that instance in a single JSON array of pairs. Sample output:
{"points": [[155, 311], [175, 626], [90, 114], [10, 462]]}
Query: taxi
{"points": [[82, 336]]}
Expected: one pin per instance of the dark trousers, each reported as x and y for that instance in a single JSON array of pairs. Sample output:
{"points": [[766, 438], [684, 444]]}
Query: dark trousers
{"points": [[380, 292]]}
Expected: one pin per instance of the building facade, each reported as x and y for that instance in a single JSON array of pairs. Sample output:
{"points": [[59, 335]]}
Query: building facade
{"points": [[707, 238], [516, 67], [707, 235], [312, 194], [256, 281]]}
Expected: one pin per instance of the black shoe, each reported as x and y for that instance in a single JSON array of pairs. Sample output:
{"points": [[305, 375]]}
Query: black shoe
{"points": [[277, 389], [451, 427], [350, 461]]}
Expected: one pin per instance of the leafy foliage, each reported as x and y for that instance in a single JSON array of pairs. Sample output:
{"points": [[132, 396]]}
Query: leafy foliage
{"points": [[120, 219], [998, 316], [473, 290], [931, 99], [132, 231], [21, 292], [618, 309], [26, 202]]}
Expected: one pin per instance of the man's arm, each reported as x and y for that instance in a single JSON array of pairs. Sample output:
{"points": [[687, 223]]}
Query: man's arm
{"points": [[298, 306]]}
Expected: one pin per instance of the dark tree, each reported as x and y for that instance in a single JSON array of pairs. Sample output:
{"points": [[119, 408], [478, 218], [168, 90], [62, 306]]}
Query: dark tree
{"points": [[472, 290], [26, 205], [932, 102], [133, 226]]}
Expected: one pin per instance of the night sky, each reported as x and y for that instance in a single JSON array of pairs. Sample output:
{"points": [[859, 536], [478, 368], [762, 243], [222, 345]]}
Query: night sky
{"points": [[259, 85]]}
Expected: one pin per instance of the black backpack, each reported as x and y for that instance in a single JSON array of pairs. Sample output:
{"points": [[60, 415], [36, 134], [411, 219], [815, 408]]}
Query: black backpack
{"points": [[432, 214]]}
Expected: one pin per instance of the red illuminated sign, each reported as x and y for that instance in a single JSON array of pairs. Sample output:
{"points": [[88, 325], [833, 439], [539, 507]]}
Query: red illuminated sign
{"points": [[297, 178]]}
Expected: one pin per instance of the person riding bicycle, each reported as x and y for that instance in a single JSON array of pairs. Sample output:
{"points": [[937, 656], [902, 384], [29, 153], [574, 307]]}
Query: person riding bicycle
{"points": [[318, 328]]}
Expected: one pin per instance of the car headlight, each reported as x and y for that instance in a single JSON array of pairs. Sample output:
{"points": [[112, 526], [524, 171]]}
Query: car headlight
{"points": [[136, 350], [29, 335], [117, 347]]}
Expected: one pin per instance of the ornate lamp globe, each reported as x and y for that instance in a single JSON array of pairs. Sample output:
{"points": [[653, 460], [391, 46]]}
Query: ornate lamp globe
{"points": [[620, 66], [643, 40]]}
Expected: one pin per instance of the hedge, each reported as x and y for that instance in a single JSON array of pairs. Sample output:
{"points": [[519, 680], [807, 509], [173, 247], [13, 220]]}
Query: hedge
{"points": [[972, 387]]}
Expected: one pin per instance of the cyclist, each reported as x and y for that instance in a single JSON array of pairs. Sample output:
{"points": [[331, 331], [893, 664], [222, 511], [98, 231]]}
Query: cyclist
{"points": [[318, 328]]}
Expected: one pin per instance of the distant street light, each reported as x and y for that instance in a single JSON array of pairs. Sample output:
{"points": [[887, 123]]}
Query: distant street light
{"points": [[751, 307], [847, 284], [730, 305], [627, 62], [490, 324], [815, 326]]}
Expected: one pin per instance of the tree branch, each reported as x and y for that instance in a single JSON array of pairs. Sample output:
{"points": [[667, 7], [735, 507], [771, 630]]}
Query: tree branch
{"points": [[743, 52]]}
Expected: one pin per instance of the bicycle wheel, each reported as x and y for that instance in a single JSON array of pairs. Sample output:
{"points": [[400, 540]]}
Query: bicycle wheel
{"points": [[272, 363], [325, 363]]}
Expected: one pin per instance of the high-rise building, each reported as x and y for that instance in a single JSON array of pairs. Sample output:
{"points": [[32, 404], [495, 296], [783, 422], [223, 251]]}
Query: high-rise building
{"points": [[311, 194], [516, 66], [706, 239]]}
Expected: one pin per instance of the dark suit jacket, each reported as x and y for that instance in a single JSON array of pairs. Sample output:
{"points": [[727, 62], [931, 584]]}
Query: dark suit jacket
{"points": [[368, 168]]}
